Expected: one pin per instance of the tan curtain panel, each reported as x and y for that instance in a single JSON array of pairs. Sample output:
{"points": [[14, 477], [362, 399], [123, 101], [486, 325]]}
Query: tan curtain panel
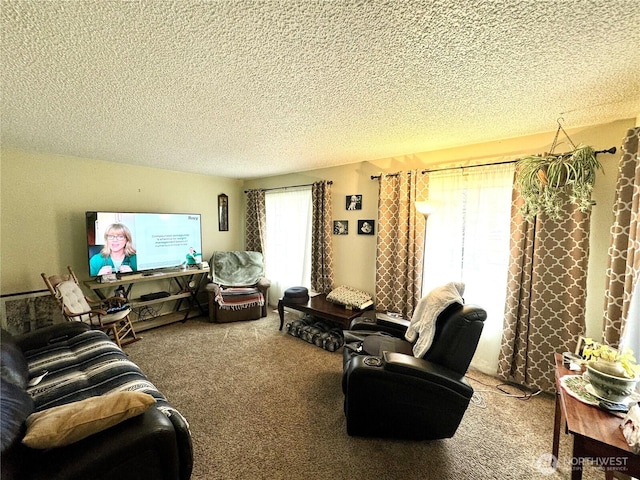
{"points": [[400, 247], [545, 306], [321, 238], [624, 247], [256, 221]]}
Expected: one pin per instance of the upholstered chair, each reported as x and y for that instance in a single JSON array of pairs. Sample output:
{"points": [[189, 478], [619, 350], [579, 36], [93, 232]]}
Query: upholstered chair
{"points": [[238, 289]]}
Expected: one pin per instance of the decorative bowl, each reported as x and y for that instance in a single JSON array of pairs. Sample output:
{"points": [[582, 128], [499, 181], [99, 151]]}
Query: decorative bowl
{"points": [[610, 387]]}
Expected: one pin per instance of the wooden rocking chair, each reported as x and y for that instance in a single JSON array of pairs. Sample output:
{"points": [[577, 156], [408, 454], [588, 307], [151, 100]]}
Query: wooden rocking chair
{"points": [[110, 315]]}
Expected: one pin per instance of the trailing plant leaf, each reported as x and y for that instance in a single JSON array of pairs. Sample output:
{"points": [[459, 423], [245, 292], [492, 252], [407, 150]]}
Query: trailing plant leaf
{"points": [[542, 179]]}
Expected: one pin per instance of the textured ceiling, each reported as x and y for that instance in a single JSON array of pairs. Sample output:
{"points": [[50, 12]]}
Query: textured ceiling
{"points": [[248, 89]]}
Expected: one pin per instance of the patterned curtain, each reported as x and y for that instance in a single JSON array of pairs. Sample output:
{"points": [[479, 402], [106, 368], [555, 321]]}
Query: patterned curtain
{"points": [[321, 238], [624, 247], [256, 221], [545, 306], [400, 248]]}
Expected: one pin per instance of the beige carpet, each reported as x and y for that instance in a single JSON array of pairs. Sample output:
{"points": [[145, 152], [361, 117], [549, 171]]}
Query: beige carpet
{"points": [[264, 405]]}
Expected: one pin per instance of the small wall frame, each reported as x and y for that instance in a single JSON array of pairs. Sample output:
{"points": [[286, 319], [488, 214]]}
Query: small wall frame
{"points": [[223, 212], [366, 227], [340, 227], [580, 346], [354, 202]]}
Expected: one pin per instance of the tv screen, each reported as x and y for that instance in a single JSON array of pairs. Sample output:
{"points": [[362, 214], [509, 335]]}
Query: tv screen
{"points": [[120, 242]]}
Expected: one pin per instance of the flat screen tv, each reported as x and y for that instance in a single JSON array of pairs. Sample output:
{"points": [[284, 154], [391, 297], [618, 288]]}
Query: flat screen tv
{"points": [[121, 242]]}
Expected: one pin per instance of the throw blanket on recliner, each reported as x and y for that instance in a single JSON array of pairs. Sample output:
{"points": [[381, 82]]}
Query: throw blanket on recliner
{"points": [[423, 323], [236, 269], [237, 298]]}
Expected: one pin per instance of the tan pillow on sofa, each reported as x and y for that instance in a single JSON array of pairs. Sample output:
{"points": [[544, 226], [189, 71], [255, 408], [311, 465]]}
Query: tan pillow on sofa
{"points": [[66, 424]]}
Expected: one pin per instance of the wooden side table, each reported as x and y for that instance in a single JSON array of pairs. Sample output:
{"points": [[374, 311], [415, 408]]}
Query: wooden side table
{"points": [[597, 436], [318, 306]]}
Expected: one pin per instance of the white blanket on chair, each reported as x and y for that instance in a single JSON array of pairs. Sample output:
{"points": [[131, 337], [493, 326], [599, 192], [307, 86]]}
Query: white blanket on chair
{"points": [[423, 323]]}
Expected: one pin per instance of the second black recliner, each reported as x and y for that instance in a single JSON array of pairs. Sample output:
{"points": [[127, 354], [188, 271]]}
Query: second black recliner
{"points": [[391, 393]]}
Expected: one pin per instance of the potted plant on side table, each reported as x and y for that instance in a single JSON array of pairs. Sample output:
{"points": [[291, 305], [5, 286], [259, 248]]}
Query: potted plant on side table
{"points": [[612, 373]]}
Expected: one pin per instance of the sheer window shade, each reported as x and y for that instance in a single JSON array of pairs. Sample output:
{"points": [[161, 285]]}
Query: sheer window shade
{"points": [[288, 243], [467, 240]]}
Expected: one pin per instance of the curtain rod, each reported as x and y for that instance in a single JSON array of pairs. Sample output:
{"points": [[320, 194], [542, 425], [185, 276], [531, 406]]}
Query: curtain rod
{"points": [[374, 177], [330, 182]]}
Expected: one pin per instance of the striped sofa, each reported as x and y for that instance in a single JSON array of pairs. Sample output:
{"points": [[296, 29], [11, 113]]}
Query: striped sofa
{"points": [[81, 364]]}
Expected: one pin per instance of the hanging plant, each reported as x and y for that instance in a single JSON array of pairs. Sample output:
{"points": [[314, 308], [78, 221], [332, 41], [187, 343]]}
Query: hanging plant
{"points": [[542, 181]]}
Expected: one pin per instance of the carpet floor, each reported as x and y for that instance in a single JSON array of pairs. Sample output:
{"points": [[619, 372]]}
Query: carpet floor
{"points": [[262, 404]]}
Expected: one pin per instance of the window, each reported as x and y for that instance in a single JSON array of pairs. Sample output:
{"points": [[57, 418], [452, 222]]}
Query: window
{"points": [[467, 240], [288, 242]]}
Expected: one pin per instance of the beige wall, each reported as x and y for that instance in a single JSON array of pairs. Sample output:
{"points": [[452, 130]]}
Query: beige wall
{"points": [[354, 260], [44, 197], [355, 254]]}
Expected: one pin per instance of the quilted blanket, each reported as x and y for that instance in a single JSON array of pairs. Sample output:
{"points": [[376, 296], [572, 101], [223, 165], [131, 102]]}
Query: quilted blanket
{"points": [[236, 298], [236, 269], [350, 297]]}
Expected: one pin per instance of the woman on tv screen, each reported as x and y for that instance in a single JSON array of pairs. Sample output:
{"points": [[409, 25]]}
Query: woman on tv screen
{"points": [[118, 253]]}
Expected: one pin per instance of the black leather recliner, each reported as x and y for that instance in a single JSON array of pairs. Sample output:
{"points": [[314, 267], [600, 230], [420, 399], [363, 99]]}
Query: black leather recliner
{"points": [[391, 393]]}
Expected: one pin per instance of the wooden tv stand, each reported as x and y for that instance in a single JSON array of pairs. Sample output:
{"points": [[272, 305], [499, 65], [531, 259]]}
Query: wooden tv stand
{"points": [[186, 286]]}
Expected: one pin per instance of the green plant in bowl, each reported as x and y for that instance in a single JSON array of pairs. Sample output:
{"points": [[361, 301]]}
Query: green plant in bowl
{"points": [[612, 373], [611, 360]]}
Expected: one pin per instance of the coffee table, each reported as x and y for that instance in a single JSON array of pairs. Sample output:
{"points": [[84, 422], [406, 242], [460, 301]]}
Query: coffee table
{"points": [[318, 306]]}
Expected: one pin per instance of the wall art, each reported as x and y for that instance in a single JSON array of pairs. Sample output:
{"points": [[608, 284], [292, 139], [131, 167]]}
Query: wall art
{"points": [[340, 227], [25, 312], [223, 212], [354, 202], [366, 227]]}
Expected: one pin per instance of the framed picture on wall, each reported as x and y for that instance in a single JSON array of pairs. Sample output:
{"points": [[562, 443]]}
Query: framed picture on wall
{"points": [[354, 202], [223, 212], [25, 312], [340, 227], [580, 346], [366, 227]]}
